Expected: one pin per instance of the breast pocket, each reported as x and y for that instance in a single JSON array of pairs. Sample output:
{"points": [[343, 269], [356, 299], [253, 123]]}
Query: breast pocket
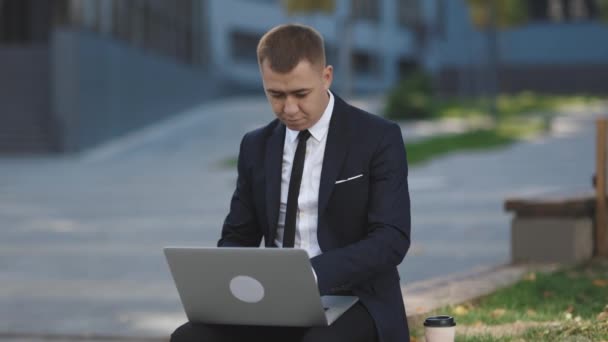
{"points": [[349, 179], [351, 192]]}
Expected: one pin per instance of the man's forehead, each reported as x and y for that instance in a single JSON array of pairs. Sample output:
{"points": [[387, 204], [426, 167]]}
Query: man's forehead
{"points": [[289, 82], [287, 85], [302, 69]]}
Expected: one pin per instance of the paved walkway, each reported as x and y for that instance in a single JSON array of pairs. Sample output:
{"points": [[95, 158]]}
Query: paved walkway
{"points": [[81, 237]]}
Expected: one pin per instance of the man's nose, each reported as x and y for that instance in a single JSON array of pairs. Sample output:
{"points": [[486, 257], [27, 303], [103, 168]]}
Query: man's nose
{"points": [[291, 105]]}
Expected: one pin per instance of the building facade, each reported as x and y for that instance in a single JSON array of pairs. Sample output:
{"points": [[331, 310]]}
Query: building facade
{"points": [[78, 72], [560, 46], [381, 37]]}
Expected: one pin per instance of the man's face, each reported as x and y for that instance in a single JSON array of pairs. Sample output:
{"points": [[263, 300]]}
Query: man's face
{"points": [[299, 97]]}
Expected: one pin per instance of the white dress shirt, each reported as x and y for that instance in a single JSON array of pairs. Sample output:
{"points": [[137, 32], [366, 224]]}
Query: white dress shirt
{"points": [[308, 200]]}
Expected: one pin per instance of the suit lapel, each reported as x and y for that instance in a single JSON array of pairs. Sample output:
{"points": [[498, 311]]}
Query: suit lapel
{"points": [[274, 164], [335, 152]]}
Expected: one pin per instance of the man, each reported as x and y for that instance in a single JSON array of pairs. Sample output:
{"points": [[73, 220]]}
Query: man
{"points": [[328, 178]]}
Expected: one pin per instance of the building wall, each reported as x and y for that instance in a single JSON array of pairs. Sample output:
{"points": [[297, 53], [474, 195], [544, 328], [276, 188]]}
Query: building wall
{"points": [[384, 39], [102, 88], [25, 120], [542, 56]]}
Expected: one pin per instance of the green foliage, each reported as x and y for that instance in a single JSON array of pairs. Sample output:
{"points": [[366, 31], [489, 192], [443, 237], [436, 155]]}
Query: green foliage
{"points": [[412, 98], [525, 103], [308, 6], [602, 6], [509, 13]]}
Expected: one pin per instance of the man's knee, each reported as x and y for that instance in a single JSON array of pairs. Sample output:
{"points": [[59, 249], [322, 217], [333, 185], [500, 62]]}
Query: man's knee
{"points": [[324, 334], [180, 334], [194, 332]]}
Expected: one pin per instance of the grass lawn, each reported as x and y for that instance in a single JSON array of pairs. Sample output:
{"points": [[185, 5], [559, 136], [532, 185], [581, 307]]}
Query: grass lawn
{"points": [[569, 305], [519, 116], [505, 132], [421, 151]]}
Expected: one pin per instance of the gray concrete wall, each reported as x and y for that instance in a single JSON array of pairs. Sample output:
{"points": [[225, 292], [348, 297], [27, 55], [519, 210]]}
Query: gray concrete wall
{"points": [[103, 88], [24, 98], [551, 239], [24, 87]]}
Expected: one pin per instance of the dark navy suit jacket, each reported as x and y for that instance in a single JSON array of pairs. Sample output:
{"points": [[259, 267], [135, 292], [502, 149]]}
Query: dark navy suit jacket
{"points": [[364, 223]]}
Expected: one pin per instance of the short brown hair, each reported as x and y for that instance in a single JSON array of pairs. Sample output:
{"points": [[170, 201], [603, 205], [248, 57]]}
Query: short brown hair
{"points": [[286, 45]]}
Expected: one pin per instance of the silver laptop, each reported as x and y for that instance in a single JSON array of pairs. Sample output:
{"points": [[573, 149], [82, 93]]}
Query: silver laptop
{"points": [[253, 286]]}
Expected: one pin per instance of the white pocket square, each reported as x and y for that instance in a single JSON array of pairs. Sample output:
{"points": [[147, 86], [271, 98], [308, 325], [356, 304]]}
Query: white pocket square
{"points": [[348, 179]]}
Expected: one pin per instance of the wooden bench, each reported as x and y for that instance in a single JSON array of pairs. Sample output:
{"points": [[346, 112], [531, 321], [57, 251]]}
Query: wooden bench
{"points": [[564, 228], [552, 228]]}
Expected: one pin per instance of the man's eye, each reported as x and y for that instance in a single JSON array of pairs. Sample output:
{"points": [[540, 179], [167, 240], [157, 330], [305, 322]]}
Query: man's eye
{"points": [[301, 95], [276, 96]]}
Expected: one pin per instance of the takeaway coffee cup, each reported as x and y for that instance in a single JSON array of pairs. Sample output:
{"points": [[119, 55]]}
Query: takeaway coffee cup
{"points": [[440, 329]]}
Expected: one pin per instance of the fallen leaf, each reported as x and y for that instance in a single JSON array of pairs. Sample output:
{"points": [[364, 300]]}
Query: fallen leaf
{"points": [[460, 310], [602, 316], [498, 313], [600, 282], [413, 339], [420, 309], [530, 276], [570, 309], [478, 323], [548, 294], [531, 312]]}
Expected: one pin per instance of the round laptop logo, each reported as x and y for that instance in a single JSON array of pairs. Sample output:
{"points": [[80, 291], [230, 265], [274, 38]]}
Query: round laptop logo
{"points": [[247, 289]]}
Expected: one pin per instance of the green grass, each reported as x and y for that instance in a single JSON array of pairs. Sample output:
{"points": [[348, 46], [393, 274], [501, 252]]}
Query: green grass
{"points": [[591, 330], [418, 152], [575, 300], [521, 104], [482, 338], [506, 132], [229, 163], [548, 296]]}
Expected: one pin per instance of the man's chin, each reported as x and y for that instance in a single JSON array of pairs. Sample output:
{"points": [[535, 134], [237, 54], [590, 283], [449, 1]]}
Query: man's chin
{"points": [[295, 126]]}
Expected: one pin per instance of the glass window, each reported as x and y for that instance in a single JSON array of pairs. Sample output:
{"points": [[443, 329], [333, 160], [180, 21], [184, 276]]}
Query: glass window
{"points": [[563, 10], [365, 64], [408, 12], [244, 45], [366, 10]]}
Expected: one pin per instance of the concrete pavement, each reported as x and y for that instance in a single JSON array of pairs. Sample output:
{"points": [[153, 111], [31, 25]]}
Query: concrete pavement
{"points": [[81, 236]]}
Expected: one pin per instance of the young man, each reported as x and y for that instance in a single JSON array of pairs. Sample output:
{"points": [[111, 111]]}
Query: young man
{"points": [[328, 178]]}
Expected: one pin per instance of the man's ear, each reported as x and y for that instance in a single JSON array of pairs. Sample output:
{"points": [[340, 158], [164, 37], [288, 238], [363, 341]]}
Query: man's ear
{"points": [[328, 76]]}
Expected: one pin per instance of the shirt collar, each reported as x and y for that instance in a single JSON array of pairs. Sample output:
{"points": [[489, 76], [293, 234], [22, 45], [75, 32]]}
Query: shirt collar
{"points": [[319, 130]]}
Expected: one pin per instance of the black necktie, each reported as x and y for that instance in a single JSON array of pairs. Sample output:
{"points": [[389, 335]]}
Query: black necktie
{"points": [[289, 234]]}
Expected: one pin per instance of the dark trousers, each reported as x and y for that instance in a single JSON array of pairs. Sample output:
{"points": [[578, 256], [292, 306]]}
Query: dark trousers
{"points": [[355, 325]]}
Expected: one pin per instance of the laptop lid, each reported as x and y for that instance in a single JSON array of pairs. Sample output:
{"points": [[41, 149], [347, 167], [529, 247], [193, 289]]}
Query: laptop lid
{"points": [[253, 286]]}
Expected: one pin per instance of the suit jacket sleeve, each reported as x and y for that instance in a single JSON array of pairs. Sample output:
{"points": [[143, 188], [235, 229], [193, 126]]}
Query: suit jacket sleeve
{"points": [[388, 216], [240, 227]]}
